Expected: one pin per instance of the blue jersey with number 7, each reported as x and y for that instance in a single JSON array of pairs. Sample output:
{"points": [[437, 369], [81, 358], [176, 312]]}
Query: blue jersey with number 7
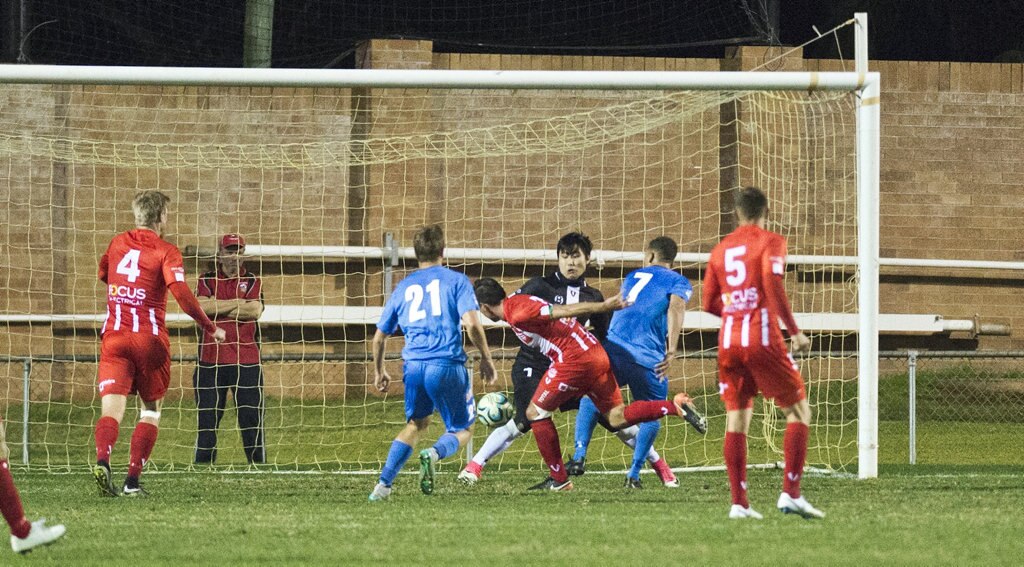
{"points": [[428, 305], [642, 327]]}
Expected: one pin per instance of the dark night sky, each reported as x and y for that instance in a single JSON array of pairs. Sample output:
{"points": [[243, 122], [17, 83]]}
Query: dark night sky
{"points": [[319, 33]]}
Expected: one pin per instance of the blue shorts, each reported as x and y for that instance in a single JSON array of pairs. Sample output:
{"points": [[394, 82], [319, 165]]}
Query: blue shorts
{"points": [[442, 386], [643, 382]]}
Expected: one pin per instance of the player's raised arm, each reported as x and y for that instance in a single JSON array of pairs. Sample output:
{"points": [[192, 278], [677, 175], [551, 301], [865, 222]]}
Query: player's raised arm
{"points": [[614, 303]]}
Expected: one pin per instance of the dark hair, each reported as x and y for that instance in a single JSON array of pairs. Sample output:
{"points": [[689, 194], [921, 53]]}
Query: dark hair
{"points": [[574, 241], [751, 203], [428, 243], [664, 249], [488, 291]]}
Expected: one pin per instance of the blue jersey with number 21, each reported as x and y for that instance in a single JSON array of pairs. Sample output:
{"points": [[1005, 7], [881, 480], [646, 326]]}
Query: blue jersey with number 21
{"points": [[428, 305], [642, 327]]}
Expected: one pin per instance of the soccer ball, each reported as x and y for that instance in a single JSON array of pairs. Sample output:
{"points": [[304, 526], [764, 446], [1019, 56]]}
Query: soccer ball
{"points": [[494, 409]]}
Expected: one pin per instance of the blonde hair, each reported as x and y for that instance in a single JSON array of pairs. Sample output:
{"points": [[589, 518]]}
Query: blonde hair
{"points": [[148, 207]]}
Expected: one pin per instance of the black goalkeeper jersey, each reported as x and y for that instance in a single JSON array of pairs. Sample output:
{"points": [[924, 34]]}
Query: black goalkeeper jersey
{"points": [[558, 290]]}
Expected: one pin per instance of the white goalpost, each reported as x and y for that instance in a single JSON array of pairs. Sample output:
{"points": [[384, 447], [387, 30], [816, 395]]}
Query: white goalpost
{"points": [[316, 166]]}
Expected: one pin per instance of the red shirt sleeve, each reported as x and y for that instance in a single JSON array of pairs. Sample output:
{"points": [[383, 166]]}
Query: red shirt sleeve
{"points": [[773, 270], [520, 309], [189, 304], [711, 291], [174, 267]]}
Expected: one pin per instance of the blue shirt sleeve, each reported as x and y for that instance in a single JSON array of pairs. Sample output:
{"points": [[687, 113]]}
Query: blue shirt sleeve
{"points": [[465, 299], [683, 288], [389, 317]]}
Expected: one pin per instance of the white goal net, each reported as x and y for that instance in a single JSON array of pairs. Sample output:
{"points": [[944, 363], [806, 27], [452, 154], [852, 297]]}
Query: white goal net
{"points": [[327, 185]]}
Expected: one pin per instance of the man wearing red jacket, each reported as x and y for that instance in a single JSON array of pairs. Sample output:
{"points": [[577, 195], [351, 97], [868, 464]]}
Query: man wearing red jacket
{"points": [[743, 286], [233, 297], [138, 268]]}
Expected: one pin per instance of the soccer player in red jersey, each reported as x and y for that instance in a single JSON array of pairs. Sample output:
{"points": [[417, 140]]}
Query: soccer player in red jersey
{"points": [[579, 367], [25, 535], [743, 285], [139, 267]]}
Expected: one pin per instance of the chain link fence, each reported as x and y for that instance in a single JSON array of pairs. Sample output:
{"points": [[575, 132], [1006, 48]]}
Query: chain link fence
{"points": [[951, 407], [944, 408]]}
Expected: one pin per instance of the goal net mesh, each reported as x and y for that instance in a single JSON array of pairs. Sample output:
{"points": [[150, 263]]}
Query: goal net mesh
{"points": [[501, 170]]}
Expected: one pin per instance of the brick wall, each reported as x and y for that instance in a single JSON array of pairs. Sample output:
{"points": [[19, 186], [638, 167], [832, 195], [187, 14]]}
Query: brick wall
{"points": [[951, 141]]}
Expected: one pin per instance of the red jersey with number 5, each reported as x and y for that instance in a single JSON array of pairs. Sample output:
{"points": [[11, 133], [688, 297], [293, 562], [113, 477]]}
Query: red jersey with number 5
{"points": [[561, 340], [137, 268], [743, 284]]}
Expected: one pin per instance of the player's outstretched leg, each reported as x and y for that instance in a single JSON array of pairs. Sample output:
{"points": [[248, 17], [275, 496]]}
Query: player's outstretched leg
{"points": [[644, 442], [586, 420], [39, 534], [397, 456], [428, 463], [447, 445], [24, 536], [496, 443], [547, 443], [686, 410]]}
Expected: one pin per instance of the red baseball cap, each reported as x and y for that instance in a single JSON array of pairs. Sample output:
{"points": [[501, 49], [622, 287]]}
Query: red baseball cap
{"points": [[232, 239]]}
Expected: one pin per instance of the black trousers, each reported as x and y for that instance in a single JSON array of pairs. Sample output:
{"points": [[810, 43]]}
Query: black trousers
{"points": [[212, 384]]}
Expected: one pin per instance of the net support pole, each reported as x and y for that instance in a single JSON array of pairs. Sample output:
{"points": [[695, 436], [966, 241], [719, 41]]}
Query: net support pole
{"points": [[912, 404], [25, 401], [868, 155]]}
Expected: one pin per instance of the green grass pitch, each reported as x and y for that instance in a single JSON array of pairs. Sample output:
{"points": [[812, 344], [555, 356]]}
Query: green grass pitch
{"points": [[922, 515]]}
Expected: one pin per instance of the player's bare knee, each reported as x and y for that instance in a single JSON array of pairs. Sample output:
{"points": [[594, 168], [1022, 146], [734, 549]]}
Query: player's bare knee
{"points": [[617, 417], [799, 412], [534, 413], [5, 451]]}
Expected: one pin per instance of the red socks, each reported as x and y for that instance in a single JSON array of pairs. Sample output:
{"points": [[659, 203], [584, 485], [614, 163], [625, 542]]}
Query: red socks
{"points": [[10, 504], [794, 448], [547, 442], [639, 412], [736, 464], [106, 436], [143, 439]]}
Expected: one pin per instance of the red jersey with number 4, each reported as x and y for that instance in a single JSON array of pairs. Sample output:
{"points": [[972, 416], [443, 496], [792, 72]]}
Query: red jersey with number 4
{"points": [[743, 285], [137, 268], [561, 340]]}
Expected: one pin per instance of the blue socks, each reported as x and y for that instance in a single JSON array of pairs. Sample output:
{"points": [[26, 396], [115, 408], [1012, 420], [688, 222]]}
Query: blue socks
{"points": [[644, 442], [397, 456], [586, 419], [446, 445]]}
